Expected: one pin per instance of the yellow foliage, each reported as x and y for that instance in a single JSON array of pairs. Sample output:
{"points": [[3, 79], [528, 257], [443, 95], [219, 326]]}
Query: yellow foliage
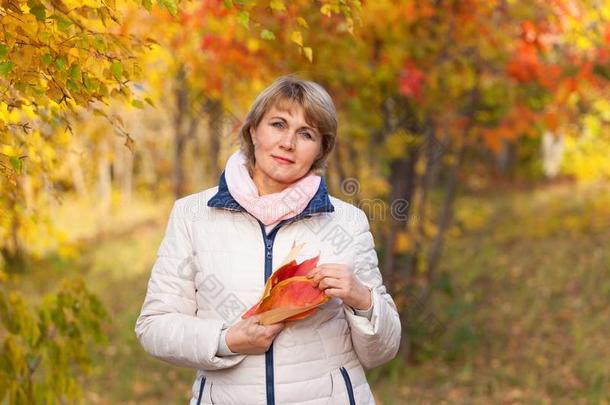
{"points": [[586, 157], [397, 143], [253, 44], [472, 215], [297, 37], [430, 229], [404, 242], [308, 53]]}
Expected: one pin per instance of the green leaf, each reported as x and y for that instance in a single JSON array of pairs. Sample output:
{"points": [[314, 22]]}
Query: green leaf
{"points": [[268, 35], [63, 23], [39, 11], [60, 63], [243, 18], [3, 50], [149, 101], [5, 68], [47, 59], [170, 5], [601, 70], [228, 4], [117, 70], [87, 82], [277, 5], [137, 103], [99, 44], [147, 4], [75, 72], [16, 163], [39, 91], [72, 85]]}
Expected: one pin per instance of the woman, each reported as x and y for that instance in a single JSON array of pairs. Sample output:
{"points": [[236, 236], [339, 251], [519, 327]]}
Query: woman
{"points": [[222, 244]]}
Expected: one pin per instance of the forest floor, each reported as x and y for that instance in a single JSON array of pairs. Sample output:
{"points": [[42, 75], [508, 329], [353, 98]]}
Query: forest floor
{"points": [[525, 303]]}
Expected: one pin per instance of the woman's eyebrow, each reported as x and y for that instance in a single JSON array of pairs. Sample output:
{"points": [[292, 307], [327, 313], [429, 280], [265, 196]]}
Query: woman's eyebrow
{"points": [[284, 119]]}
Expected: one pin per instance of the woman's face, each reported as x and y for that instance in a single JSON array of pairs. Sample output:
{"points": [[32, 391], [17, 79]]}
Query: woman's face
{"points": [[283, 134]]}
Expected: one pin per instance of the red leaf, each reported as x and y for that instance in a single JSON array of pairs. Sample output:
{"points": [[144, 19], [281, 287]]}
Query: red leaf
{"points": [[288, 294]]}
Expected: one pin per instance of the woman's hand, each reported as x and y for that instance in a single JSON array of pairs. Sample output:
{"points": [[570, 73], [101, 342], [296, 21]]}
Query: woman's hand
{"points": [[336, 280], [249, 337]]}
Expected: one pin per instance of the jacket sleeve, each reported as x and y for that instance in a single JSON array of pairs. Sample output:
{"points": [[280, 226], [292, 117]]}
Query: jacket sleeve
{"points": [[376, 340], [167, 326]]}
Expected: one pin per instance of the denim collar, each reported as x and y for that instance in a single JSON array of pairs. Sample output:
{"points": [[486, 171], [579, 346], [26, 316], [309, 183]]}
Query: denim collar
{"points": [[318, 204]]}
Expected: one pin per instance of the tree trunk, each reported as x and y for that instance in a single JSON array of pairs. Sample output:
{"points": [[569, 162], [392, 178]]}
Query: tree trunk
{"points": [[433, 157], [215, 133], [127, 178], [552, 153], [77, 174], [104, 179], [402, 182], [180, 138], [179, 180]]}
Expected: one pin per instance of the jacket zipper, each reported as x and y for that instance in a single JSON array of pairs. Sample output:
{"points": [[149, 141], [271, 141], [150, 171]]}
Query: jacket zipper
{"points": [[201, 390], [348, 386], [269, 377]]}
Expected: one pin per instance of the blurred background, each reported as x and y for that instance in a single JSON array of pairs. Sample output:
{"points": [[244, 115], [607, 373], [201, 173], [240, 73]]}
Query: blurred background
{"points": [[475, 134]]}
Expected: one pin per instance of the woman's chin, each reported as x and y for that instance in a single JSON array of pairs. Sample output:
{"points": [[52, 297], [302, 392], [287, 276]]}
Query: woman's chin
{"points": [[284, 176], [285, 179]]}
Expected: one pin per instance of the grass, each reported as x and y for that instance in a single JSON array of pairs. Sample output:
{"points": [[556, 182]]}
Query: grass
{"points": [[531, 285], [526, 276]]}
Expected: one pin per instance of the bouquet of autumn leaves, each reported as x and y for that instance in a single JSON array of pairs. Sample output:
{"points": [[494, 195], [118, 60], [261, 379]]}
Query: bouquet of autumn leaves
{"points": [[289, 295]]}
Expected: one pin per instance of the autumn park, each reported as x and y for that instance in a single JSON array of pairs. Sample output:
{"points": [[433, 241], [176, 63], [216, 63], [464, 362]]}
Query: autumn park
{"points": [[474, 135]]}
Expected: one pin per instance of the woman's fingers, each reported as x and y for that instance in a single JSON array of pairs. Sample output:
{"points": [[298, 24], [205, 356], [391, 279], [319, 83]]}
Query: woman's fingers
{"points": [[329, 282], [319, 273]]}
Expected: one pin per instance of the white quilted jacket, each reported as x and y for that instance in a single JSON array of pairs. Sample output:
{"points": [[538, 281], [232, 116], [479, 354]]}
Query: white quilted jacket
{"points": [[212, 266]]}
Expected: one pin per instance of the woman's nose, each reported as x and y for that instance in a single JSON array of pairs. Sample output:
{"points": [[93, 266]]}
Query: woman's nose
{"points": [[287, 141]]}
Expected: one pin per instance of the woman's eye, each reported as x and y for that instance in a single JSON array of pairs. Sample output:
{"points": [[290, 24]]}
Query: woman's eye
{"points": [[307, 135], [277, 124]]}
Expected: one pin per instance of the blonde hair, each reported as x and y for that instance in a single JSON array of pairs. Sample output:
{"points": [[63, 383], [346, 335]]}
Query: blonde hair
{"points": [[319, 112]]}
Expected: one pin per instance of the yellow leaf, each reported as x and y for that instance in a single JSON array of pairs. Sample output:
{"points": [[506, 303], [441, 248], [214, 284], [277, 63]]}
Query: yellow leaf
{"points": [[277, 5], [279, 314], [29, 24], [430, 229], [403, 242], [308, 53], [302, 22], [73, 55], [253, 44], [297, 37], [326, 10], [130, 143], [91, 3]]}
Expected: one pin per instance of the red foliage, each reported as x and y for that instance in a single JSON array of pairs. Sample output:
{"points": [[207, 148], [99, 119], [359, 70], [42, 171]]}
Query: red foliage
{"points": [[287, 288], [411, 81]]}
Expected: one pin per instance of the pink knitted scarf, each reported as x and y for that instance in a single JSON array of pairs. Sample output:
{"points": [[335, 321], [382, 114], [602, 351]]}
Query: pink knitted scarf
{"points": [[270, 208]]}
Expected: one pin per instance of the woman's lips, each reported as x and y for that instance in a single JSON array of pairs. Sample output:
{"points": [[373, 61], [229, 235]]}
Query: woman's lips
{"points": [[282, 161]]}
